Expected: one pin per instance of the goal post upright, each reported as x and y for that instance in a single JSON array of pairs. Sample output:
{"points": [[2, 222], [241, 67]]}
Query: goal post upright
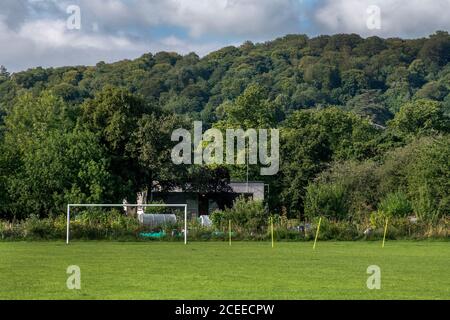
{"points": [[185, 224], [185, 206], [68, 224]]}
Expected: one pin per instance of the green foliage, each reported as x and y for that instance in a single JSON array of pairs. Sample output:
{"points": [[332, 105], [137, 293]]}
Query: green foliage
{"points": [[396, 205], [246, 214], [392, 173], [417, 73], [312, 139], [327, 200], [322, 70], [49, 162], [218, 218], [421, 116], [32, 118], [156, 210], [350, 188], [433, 91], [112, 113], [251, 110], [371, 105], [354, 82], [32, 77], [149, 148], [58, 169], [87, 225], [437, 49], [339, 230], [409, 180], [429, 179], [102, 133]]}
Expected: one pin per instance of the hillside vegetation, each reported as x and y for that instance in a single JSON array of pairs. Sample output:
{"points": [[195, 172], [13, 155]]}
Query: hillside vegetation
{"points": [[364, 126]]}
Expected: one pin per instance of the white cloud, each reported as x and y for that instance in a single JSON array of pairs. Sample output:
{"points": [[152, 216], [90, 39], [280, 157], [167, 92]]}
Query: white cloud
{"points": [[399, 18], [33, 33], [200, 17], [118, 29], [244, 17], [54, 34], [49, 43]]}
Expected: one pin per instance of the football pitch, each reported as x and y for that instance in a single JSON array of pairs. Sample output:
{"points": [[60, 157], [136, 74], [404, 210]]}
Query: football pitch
{"points": [[214, 270]]}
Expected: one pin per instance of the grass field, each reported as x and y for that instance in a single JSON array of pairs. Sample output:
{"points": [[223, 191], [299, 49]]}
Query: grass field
{"points": [[336, 270]]}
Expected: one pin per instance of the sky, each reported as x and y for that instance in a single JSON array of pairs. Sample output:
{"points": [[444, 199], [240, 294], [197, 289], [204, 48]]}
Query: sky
{"points": [[51, 33]]}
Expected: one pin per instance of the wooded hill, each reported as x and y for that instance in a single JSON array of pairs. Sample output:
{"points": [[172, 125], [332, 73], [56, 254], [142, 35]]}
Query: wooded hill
{"points": [[363, 121]]}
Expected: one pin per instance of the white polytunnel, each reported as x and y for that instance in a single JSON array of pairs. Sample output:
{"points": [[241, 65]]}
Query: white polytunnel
{"points": [[156, 220]]}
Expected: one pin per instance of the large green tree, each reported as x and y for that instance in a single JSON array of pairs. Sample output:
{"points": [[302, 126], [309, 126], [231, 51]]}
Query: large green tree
{"points": [[311, 140], [114, 115], [57, 169], [47, 161]]}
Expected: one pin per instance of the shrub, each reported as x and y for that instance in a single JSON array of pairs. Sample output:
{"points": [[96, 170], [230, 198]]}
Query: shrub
{"points": [[246, 214], [157, 210], [396, 205], [281, 233], [10, 231], [429, 180], [360, 183], [35, 228], [326, 200], [218, 219], [336, 230], [421, 116], [115, 226]]}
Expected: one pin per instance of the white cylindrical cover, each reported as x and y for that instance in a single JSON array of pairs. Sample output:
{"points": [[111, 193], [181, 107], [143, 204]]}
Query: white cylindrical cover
{"points": [[157, 220]]}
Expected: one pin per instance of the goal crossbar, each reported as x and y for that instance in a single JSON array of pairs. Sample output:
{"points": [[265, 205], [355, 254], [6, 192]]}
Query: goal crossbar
{"points": [[83, 205]]}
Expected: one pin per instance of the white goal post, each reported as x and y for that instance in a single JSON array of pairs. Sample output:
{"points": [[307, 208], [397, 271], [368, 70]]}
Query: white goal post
{"points": [[126, 205]]}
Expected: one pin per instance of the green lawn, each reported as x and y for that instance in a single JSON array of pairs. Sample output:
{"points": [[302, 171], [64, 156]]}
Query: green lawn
{"points": [[336, 270]]}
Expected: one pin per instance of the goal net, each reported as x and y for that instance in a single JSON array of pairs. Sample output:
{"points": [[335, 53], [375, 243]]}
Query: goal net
{"points": [[143, 218]]}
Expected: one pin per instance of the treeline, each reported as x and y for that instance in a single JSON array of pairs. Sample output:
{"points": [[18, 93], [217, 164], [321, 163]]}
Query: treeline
{"points": [[364, 125]]}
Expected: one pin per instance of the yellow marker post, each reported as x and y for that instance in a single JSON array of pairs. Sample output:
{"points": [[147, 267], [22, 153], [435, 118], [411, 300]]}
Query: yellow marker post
{"points": [[271, 227], [229, 228], [385, 231], [317, 233]]}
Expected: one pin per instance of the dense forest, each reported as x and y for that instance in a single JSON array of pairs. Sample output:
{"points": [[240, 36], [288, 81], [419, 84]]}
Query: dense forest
{"points": [[365, 125]]}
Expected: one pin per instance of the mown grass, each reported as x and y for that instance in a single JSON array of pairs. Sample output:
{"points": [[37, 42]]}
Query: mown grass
{"points": [[246, 270]]}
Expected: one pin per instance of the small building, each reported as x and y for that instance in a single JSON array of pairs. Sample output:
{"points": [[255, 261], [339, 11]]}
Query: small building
{"points": [[201, 203]]}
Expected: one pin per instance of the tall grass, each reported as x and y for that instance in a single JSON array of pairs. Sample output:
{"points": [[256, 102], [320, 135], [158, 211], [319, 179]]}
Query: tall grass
{"points": [[115, 226]]}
